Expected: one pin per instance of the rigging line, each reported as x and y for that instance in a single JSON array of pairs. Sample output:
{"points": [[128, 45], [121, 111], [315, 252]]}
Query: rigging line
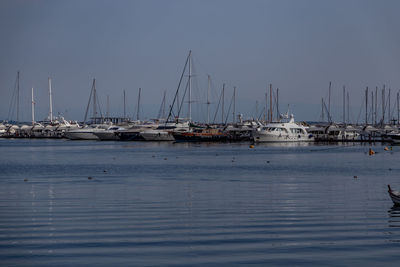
{"points": [[216, 111], [261, 113], [87, 107], [229, 111], [179, 85], [183, 98], [359, 113], [13, 100]]}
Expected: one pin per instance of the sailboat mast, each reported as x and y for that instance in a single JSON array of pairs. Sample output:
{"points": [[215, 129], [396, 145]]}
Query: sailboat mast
{"points": [[270, 102], [366, 106], [376, 104], [138, 105], [208, 100], [163, 106], [277, 104], [18, 96], [344, 104], [51, 101], [223, 100], [348, 108], [398, 111], [33, 109], [190, 85], [94, 101], [108, 106], [383, 105], [234, 104], [329, 100], [124, 104], [389, 111]]}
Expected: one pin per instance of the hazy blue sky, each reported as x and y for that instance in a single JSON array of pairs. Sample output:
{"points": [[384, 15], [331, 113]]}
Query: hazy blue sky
{"points": [[298, 46]]}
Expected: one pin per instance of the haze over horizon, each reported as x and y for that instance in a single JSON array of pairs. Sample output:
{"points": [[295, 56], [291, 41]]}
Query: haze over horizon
{"points": [[298, 46]]}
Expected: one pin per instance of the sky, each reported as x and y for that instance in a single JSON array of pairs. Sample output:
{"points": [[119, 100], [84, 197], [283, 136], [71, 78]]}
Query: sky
{"points": [[298, 46]]}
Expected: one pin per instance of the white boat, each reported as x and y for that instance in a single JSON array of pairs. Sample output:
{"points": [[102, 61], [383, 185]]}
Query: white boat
{"points": [[394, 195], [86, 133], [282, 132], [165, 132], [109, 134]]}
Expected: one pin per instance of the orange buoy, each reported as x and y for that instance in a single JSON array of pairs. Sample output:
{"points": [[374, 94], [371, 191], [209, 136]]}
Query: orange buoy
{"points": [[386, 148], [251, 146], [371, 152]]}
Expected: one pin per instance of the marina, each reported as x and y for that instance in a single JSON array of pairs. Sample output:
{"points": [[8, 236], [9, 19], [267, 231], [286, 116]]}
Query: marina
{"points": [[199, 133]]}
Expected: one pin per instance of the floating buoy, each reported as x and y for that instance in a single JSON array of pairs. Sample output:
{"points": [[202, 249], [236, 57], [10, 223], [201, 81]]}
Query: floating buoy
{"points": [[251, 146], [390, 169], [371, 152], [104, 171], [355, 176], [267, 161], [25, 180], [386, 148], [165, 158]]}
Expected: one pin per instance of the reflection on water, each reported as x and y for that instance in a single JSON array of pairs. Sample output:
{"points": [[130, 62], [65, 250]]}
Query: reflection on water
{"points": [[191, 204]]}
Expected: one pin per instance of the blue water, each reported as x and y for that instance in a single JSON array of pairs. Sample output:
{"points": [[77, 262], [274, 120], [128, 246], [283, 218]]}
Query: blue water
{"points": [[80, 203]]}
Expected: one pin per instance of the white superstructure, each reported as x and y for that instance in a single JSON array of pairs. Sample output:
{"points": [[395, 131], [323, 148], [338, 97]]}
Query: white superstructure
{"points": [[282, 132]]}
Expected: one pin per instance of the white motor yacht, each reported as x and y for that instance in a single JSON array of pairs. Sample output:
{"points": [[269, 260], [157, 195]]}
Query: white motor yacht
{"points": [[109, 134], [86, 133], [282, 132]]}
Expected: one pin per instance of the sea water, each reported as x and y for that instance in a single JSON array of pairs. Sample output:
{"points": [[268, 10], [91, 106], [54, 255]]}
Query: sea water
{"points": [[80, 203]]}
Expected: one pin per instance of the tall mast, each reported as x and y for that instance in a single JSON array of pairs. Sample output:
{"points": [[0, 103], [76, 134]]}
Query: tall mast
{"points": [[398, 111], [348, 108], [270, 102], [223, 102], [383, 105], [344, 104], [18, 96], [389, 113], [376, 104], [190, 85], [138, 105], [51, 101], [277, 104], [266, 115], [108, 106], [208, 99], [124, 104], [257, 109], [322, 109], [33, 109], [372, 107], [163, 106], [329, 99], [366, 106], [234, 104], [94, 101]]}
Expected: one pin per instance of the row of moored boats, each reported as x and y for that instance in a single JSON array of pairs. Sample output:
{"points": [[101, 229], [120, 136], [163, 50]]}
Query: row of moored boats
{"points": [[286, 130]]}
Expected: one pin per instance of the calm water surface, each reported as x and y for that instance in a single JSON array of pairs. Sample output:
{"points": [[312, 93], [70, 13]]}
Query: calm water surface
{"points": [[165, 204]]}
